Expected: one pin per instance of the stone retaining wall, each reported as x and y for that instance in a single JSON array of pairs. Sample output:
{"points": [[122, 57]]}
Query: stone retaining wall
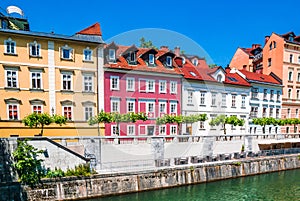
{"points": [[111, 184]]}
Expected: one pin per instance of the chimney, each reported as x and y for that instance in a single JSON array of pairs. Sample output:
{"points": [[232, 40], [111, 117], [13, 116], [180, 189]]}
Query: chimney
{"points": [[177, 51], [266, 39], [254, 46], [164, 48]]}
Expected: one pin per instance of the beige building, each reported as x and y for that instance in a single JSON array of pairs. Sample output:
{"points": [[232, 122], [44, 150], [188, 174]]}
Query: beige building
{"points": [[49, 73]]}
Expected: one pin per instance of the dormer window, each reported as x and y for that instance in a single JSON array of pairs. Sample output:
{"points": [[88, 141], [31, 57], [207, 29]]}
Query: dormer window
{"points": [[151, 59], [219, 78], [291, 38], [169, 61], [112, 55], [132, 57], [183, 60], [195, 62]]}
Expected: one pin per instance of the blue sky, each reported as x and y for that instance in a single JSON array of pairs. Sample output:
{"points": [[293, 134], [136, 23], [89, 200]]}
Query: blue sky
{"points": [[219, 27]]}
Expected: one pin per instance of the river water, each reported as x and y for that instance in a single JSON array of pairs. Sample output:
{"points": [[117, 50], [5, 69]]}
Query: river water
{"points": [[278, 186]]}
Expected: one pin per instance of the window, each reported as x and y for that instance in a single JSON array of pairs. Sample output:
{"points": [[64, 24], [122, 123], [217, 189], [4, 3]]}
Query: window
{"points": [[10, 46], [289, 93], [115, 106], [271, 95], [195, 62], [291, 58], [169, 61], [253, 112], [37, 109], [162, 86], [290, 76], [173, 87], [278, 95], [67, 112], [265, 94], [112, 55], [223, 100], [269, 61], [298, 77], [298, 94], [34, 49], [162, 108], [130, 84], [151, 59], [36, 80], [88, 112], [66, 52], [114, 130], [243, 101], [162, 130], [114, 82], [190, 97], [173, 108], [274, 43], [201, 125], [66, 81], [132, 57], [150, 85], [130, 130], [299, 59], [270, 46], [12, 78], [277, 114], [264, 113], [254, 93], [87, 54], [271, 112], [13, 111], [213, 99], [219, 78], [202, 98], [130, 106], [233, 100], [151, 109], [173, 129], [297, 113], [289, 113], [88, 83]]}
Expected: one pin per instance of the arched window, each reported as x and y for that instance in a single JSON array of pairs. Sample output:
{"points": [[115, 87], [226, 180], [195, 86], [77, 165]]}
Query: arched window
{"points": [[219, 78], [290, 78]]}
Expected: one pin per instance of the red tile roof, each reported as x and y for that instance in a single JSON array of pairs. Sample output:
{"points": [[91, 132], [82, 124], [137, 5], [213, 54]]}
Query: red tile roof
{"points": [[251, 76], [236, 79], [91, 30]]}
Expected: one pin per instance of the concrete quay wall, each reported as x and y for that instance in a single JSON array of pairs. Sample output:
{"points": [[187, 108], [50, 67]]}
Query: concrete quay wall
{"points": [[73, 188]]}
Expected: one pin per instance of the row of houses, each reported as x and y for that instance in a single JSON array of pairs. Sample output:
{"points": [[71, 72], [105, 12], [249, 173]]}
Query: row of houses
{"points": [[78, 76]]}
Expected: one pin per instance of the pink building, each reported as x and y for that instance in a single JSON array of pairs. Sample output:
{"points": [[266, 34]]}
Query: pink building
{"points": [[141, 80]]}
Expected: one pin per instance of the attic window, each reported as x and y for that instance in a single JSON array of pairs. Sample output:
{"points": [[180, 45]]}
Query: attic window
{"points": [[183, 60], [219, 78], [132, 59], [291, 38], [193, 74], [232, 79], [151, 59], [112, 54], [195, 62], [169, 61]]}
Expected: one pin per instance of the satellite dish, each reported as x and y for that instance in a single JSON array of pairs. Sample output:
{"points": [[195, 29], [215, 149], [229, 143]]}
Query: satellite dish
{"points": [[14, 9]]}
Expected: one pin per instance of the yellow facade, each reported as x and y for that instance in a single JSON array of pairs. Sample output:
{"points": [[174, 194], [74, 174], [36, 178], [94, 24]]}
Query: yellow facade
{"points": [[34, 75]]}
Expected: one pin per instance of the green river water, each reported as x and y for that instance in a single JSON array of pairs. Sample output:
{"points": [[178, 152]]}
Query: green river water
{"points": [[278, 186]]}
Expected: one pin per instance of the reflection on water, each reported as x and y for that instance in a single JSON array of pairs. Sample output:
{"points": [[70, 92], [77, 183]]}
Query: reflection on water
{"points": [[278, 186]]}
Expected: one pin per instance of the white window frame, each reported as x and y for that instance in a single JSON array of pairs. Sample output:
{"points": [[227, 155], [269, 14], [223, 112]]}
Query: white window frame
{"points": [[195, 62], [88, 84], [289, 94], [117, 101], [68, 80], [12, 46], [148, 89], [201, 125], [151, 59], [162, 128], [233, 100], [18, 111], [88, 114], [213, 99], [114, 129], [169, 61], [271, 112], [243, 101], [162, 86], [202, 97], [112, 78], [173, 87], [87, 54], [130, 128], [72, 113], [175, 108], [37, 105], [127, 105], [161, 113], [172, 129], [190, 97], [128, 80], [32, 72], [70, 52], [14, 78], [38, 48], [290, 75], [112, 54], [148, 107], [224, 98]]}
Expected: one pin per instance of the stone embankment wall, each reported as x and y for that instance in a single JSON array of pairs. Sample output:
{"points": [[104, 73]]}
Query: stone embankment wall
{"points": [[111, 184]]}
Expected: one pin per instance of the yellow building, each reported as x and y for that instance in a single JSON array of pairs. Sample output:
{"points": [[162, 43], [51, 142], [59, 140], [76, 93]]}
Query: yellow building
{"points": [[49, 73]]}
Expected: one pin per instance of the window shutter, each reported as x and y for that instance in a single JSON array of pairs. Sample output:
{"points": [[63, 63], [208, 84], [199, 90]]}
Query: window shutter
{"points": [[142, 85], [142, 130], [142, 107]]}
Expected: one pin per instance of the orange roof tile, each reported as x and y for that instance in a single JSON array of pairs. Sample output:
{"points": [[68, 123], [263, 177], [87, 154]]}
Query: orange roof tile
{"points": [[91, 30], [260, 77]]}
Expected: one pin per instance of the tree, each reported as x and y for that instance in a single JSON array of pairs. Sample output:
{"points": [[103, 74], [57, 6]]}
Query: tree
{"points": [[264, 121], [291, 121], [223, 120], [28, 167], [146, 44], [36, 120], [194, 118], [102, 117]]}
